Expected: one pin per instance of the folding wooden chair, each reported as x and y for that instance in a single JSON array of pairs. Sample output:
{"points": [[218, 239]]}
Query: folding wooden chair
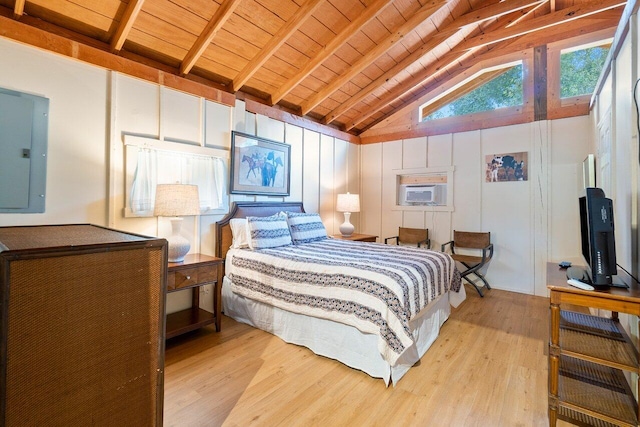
{"points": [[411, 236], [471, 240]]}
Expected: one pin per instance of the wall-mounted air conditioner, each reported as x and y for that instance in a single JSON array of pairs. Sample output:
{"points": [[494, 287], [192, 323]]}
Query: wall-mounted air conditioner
{"points": [[419, 194]]}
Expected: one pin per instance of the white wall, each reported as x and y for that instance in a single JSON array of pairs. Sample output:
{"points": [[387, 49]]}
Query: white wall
{"points": [[78, 132], [515, 213], [91, 109]]}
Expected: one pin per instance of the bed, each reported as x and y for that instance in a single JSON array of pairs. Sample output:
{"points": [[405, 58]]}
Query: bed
{"points": [[350, 301]]}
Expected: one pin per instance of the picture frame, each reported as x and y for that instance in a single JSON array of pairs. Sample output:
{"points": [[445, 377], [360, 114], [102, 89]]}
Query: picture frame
{"points": [[507, 167], [259, 166]]}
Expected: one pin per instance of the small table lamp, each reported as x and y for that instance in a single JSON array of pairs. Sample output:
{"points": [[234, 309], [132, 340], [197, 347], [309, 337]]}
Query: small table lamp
{"points": [[175, 201], [347, 203]]}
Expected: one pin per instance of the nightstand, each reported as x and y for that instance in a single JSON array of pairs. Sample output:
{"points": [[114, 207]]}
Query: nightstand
{"points": [[195, 271], [357, 237]]}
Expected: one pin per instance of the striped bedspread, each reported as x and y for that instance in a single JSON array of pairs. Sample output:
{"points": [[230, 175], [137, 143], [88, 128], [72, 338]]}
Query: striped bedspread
{"points": [[374, 287]]}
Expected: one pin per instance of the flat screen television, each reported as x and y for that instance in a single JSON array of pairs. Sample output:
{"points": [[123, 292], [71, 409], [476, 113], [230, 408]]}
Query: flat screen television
{"points": [[597, 239]]}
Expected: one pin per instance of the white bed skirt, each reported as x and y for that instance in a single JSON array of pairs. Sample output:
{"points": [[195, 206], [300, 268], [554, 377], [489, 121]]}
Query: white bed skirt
{"points": [[339, 341]]}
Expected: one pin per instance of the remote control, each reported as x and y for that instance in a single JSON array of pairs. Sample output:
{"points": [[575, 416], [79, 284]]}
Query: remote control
{"points": [[578, 284]]}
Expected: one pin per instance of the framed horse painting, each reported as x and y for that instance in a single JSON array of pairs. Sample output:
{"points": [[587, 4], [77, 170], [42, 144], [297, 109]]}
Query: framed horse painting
{"points": [[259, 165]]}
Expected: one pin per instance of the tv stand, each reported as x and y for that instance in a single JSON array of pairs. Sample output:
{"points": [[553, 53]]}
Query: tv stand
{"points": [[590, 357], [580, 273], [577, 273]]}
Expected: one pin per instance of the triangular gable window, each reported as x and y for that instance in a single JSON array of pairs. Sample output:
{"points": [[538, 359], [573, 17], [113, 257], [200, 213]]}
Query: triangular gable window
{"points": [[493, 89]]}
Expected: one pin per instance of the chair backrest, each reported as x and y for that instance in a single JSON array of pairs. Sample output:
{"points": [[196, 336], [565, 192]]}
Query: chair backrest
{"points": [[470, 239], [412, 235]]}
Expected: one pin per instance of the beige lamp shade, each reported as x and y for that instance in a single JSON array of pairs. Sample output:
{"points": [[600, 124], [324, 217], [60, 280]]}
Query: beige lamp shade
{"points": [[176, 200], [348, 203]]}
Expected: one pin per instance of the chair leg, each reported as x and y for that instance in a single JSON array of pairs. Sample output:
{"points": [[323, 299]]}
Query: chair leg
{"points": [[474, 271]]}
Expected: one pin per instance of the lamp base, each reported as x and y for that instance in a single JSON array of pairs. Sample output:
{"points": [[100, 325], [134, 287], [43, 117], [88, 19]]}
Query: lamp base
{"points": [[346, 228], [178, 245]]}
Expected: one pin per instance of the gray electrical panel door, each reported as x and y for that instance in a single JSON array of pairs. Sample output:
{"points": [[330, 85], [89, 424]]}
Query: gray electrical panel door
{"points": [[23, 150], [16, 117]]}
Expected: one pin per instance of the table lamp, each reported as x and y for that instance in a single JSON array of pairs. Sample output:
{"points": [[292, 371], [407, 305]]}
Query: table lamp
{"points": [[347, 203], [175, 201]]}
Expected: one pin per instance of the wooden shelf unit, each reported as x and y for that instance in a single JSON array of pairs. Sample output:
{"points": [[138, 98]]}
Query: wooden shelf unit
{"points": [[194, 272], [589, 355]]}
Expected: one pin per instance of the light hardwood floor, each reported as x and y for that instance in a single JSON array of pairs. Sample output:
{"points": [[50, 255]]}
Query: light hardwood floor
{"points": [[487, 368]]}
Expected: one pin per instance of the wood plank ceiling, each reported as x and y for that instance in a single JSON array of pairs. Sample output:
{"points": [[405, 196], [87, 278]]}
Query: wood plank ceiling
{"points": [[343, 63]]}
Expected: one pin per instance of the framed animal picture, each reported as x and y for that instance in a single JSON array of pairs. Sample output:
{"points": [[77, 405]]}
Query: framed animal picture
{"points": [[259, 165], [506, 167]]}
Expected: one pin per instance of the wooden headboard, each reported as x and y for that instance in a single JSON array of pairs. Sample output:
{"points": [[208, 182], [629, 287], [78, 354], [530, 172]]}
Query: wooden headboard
{"points": [[243, 210]]}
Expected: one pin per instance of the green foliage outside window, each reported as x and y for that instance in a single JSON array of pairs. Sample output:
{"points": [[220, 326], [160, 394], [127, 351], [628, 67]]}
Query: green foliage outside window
{"points": [[580, 69], [503, 91]]}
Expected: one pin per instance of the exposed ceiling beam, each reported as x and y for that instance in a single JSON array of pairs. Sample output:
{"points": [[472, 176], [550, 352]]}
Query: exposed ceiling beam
{"points": [[551, 35], [383, 46], [473, 17], [128, 18], [529, 13], [18, 8], [561, 17], [340, 39], [283, 34], [566, 17], [225, 10]]}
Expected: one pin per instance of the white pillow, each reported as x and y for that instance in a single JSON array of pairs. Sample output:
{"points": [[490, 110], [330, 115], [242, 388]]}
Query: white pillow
{"points": [[268, 231], [305, 227], [239, 233]]}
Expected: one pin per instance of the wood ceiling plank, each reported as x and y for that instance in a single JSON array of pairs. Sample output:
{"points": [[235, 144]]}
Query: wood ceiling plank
{"points": [[368, 14], [220, 17], [269, 21], [470, 18], [158, 29], [292, 25], [70, 15], [126, 23], [397, 35]]}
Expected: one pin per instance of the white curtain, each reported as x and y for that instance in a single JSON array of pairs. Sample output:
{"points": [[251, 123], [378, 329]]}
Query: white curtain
{"points": [[168, 167]]}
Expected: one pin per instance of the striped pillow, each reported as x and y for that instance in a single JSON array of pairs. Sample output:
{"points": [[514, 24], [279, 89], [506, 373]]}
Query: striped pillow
{"points": [[268, 231], [305, 227]]}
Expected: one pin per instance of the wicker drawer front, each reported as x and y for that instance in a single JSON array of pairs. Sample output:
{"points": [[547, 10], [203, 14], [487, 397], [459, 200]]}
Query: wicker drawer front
{"points": [[182, 278], [207, 273]]}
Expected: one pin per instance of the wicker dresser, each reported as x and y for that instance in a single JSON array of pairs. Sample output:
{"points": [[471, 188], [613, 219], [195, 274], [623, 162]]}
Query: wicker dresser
{"points": [[82, 324], [589, 355]]}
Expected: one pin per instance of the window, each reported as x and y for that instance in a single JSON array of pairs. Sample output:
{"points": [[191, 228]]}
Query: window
{"points": [[494, 89], [151, 162], [580, 68]]}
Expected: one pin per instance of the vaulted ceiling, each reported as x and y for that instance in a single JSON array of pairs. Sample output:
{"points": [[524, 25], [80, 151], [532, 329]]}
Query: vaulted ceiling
{"points": [[344, 63]]}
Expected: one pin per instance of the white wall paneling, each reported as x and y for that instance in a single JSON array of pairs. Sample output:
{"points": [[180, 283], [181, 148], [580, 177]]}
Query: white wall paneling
{"points": [[624, 162], [218, 124], [326, 180], [180, 116], [293, 136], [391, 162], [468, 177], [414, 153], [311, 171], [371, 208], [507, 213]]}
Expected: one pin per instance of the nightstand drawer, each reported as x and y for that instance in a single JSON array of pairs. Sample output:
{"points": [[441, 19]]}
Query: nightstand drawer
{"points": [[207, 274], [182, 278]]}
